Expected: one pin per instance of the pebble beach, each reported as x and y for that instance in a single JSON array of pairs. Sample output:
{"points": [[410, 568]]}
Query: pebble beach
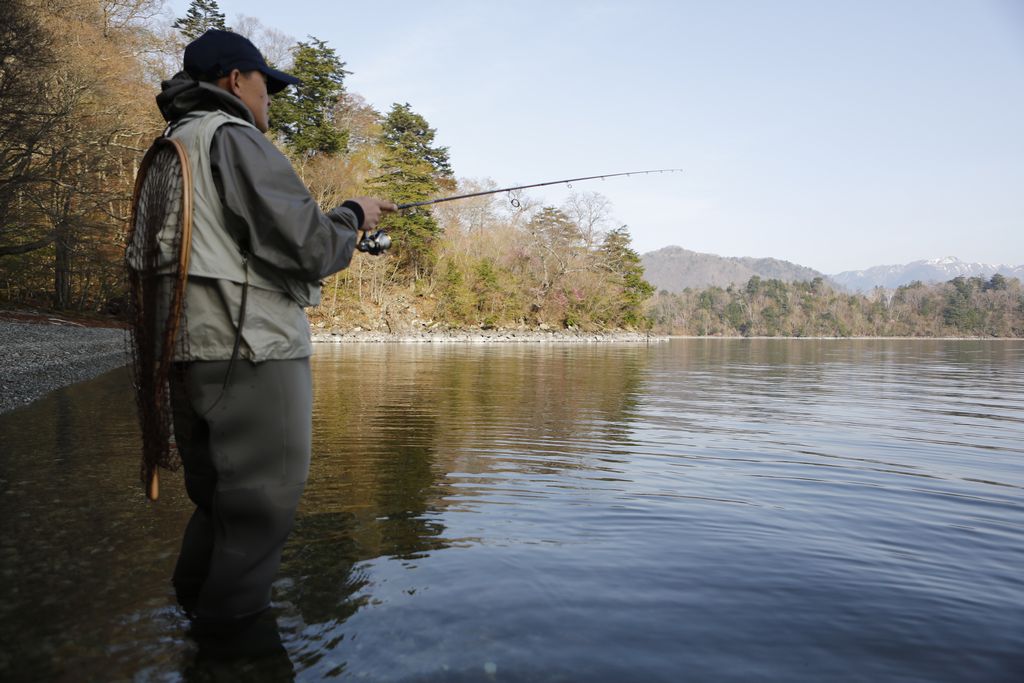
{"points": [[37, 358], [44, 355]]}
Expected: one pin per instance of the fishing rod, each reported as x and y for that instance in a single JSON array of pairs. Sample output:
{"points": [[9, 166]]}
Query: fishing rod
{"points": [[379, 242], [515, 202]]}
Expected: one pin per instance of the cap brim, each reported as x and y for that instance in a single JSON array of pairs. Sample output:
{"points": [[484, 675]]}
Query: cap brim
{"points": [[278, 80]]}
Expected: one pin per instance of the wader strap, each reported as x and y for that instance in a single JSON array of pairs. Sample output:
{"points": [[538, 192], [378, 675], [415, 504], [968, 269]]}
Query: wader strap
{"points": [[241, 321], [238, 335]]}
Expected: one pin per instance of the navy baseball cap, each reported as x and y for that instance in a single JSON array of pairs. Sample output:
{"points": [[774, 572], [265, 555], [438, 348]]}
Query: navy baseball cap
{"points": [[216, 53]]}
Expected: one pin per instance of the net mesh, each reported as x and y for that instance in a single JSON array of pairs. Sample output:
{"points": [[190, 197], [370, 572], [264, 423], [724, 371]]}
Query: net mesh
{"points": [[157, 266]]}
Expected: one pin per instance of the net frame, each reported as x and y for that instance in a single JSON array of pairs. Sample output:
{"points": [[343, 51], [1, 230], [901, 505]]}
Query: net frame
{"points": [[156, 258]]}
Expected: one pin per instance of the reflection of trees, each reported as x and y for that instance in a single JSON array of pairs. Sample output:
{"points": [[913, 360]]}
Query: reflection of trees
{"points": [[429, 411], [556, 400], [392, 422], [373, 486], [321, 557]]}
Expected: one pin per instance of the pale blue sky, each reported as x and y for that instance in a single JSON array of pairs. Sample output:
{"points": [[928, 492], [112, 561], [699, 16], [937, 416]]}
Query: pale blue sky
{"points": [[835, 134]]}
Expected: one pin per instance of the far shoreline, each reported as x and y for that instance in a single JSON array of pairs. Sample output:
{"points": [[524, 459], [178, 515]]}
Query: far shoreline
{"points": [[326, 338], [477, 336], [456, 335], [865, 338], [42, 351]]}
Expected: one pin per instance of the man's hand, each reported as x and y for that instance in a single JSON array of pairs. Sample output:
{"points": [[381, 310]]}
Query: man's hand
{"points": [[373, 209]]}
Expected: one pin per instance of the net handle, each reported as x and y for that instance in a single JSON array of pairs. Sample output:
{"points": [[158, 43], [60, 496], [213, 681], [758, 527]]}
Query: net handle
{"points": [[152, 483]]}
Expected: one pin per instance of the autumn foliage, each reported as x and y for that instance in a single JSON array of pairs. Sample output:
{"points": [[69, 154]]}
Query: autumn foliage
{"points": [[78, 79], [77, 82]]}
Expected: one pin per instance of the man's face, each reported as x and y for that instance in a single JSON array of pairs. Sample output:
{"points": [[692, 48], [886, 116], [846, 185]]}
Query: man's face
{"points": [[251, 88]]}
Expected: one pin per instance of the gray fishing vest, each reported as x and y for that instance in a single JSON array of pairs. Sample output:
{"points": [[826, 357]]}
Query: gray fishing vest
{"points": [[215, 253]]}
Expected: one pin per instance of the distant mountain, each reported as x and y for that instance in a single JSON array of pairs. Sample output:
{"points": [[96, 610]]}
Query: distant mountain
{"points": [[933, 270], [674, 269]]}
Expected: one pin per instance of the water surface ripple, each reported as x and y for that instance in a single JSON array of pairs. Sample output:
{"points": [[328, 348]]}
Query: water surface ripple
{"points": [[727, 510]]}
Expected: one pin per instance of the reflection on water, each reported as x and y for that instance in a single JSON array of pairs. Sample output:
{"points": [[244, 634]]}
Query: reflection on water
{"points": [[702, 509]]}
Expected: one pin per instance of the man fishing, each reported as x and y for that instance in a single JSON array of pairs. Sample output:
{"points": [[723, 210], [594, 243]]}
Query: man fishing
{"points": [[241, 390]]}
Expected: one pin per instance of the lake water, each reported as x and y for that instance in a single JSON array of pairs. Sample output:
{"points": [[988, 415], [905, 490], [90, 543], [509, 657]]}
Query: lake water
{"points": [[707, 510]]}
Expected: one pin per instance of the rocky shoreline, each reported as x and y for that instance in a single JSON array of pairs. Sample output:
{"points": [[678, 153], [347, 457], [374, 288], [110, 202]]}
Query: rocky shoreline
{"points": [[481, 336], [37, 358], [41, 354]]}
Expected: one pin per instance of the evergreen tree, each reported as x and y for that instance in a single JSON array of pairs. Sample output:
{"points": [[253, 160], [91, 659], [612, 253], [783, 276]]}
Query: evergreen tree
{"points": [[415, 169], [998, 282], [625, 263], [305, 114], [456, 302], [409, 132], [962, 311], [202, 15]]}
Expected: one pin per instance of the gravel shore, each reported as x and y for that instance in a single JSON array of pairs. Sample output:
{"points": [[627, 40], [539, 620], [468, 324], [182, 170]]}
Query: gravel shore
{"points": [[36, 358], [443, 336]]}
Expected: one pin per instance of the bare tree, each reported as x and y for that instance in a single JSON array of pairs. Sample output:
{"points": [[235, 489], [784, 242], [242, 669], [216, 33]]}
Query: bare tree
{"points": [[69, 159], [470, 215], [276, 46], [591, 211], [26, 121], [353, 114]]}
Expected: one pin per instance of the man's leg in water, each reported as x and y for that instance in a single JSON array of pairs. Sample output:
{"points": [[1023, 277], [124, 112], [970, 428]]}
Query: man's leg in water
{"points": [[246, 455]]}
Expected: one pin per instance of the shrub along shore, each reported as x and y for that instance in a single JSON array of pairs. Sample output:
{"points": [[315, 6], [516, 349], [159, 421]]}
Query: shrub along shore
{"points": [[41, 352]]}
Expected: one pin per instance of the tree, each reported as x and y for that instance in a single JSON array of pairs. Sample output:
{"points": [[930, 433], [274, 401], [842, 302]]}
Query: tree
{"points": [[962, 306], [408, 132], [555, 229], [590, 211], [275, 46], [202, 15], [998, 282], [557, 243], [26, 120], [360, 121], [456, 299], [962, 311], [624, 262], [66, 166], [305, 114], [414, 169], [753, 285]]}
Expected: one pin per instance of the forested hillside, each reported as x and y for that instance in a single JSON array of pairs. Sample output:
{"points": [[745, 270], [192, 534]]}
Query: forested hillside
{"points": [[962, 307], [77, 83]]}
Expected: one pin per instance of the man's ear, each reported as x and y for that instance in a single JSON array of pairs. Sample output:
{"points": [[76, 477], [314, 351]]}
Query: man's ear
{"points": [[232, 82]]}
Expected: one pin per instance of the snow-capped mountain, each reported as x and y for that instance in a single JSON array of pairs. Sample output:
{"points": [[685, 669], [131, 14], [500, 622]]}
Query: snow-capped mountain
{"points": [[932, 270]]}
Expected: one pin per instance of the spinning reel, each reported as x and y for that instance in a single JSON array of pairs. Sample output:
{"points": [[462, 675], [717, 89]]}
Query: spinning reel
{"points": [[375, 243]]}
